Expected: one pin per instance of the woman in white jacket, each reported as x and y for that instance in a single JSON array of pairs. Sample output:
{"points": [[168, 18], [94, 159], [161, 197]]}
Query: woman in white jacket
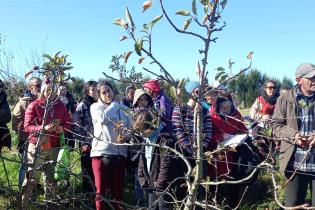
{"points": [[109, 156]]}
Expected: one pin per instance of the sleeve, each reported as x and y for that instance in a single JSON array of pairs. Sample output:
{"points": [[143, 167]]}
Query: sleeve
{"points": [[207, 124], [104, 115], [178, 128], [17, 117], [166, 108], [141, 177], [67, 122], [254, 115], [278, 122], [80, 128], [29, 120]]}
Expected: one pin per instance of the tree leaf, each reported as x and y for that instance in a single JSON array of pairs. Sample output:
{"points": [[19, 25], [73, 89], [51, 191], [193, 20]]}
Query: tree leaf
{"points": [[250, 55], [129, 18], [186, 24], [223, 3], [183, 12], [218, 75], [220, 69], [48, 57], [155, 20], [127, 54], [194, 8], [205, 19], [119, 22], [123, 38], [204, 2], [28, 73], [231, 63], [223, 78], [146, 5], [138, 46], [140, 60]]}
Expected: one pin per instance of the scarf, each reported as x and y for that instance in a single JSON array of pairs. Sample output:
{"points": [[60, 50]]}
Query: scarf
{"points": [[270, 99], [88, 100]]}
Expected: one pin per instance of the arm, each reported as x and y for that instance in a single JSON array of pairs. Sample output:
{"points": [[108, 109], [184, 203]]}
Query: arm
{"points": [[5, 113], [17, 117], [104, 115], [254, 115], [181, 136], [207, 125], [29, 120], [141, 177], [81, 126]]}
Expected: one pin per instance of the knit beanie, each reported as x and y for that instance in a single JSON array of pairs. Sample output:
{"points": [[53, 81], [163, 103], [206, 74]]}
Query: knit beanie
{"points": [[153, 85], [191, 86]]}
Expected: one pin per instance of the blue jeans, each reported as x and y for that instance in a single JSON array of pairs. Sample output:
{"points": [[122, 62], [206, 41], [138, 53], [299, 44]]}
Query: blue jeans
{"points": [[23, 167]]}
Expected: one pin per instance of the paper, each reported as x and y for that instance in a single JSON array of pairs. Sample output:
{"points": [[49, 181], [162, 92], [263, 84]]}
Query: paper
{"points": [[234, 140]]}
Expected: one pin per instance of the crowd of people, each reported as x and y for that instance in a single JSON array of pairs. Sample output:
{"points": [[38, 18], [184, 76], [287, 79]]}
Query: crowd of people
{"points": [[132, 133]]}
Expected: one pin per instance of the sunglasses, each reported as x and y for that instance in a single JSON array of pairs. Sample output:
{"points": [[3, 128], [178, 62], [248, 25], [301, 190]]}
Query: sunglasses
{"points": [[37, 85], [271, 87]]}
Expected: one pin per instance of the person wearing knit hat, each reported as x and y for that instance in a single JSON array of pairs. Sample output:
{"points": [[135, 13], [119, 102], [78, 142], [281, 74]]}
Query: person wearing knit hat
{"points": [[141, 100], [162, 103], [190, 86]]}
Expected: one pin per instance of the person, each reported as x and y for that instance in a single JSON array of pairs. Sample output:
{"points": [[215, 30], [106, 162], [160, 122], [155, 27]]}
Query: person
{"points": [[128, 99], [264, 105], [5, 117], [157, 168], [209, 97], [162, 103], [109, 119], [84, 129], [293, 122], [18, 114], [284, 88], [57, 121], [141, 100], [226, 121]]}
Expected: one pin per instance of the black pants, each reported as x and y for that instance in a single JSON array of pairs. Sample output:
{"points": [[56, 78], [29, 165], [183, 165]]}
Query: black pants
{"points": [[87, 172], [295, 191]]}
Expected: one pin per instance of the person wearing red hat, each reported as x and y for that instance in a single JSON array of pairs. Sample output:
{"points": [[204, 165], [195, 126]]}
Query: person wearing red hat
{"points": [[162, 103]]}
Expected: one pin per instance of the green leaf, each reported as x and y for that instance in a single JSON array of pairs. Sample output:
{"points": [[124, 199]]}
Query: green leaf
{"points": [[187, 23], [127, 54], [194, 8], [129, 18], [145, 27], [206, 9], [155, 20], [48, 57], [220, 69], [223, 78], [183, 12], [218, 75], [138, 46], [223, 3], [204, 2]]}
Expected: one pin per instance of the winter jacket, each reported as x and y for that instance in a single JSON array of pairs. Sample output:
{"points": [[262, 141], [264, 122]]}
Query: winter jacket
{"points": [[5, 117], [104, 118], [285, 124], [164, 105], [34, 118], [222, 126], [82, 117], [261, 107], [163, 168]]}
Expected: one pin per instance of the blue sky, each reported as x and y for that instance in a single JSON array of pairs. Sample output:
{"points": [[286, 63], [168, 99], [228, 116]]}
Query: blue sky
{"points": [[280, 33]]}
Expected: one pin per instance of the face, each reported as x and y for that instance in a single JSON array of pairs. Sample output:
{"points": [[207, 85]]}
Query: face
{"points": [[62, 91], [143, 101], [93, 92], [270, 89], [106, 94], [148, 91], [307, 85], [131, 94], [35, 86], [209, 99], [225, 107]]}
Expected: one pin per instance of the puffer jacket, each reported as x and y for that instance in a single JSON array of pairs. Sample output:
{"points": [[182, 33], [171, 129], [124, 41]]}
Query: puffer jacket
{"points": [[34, 118], [285, 124], [104, 118]]}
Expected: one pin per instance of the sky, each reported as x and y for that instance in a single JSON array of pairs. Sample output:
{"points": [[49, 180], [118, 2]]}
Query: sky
{"points": [[280, 33]]}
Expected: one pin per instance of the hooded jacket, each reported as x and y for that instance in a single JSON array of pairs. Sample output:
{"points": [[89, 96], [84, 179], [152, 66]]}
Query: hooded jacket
{"points": [[104, 118]]}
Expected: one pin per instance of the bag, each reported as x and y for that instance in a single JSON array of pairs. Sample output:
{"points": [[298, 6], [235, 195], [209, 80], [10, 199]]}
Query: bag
{"points": [[63, 161]]}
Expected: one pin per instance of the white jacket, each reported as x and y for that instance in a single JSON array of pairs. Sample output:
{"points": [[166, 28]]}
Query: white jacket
{"points": [[104, 118]]}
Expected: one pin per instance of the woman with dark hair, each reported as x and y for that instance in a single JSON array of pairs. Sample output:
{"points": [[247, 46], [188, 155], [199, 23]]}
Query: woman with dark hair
{"points": [[141, 100], [83, 127], [109, 157], [264, 105]]}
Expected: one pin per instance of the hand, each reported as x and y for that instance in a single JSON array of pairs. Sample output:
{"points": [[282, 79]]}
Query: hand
{"points": [[85, 148], [121, 139], [49, 128], [311, 140], [265, 117], [301, 141], [59, 129]]}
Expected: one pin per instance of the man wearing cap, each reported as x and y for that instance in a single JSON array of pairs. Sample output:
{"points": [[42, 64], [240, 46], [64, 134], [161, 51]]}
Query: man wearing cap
{"points": [[293, 123], [18, 114]]}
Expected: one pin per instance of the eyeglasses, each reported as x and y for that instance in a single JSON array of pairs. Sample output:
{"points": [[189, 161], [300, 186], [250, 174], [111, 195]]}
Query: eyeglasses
{"points": [[37, 85], [271, 87]]}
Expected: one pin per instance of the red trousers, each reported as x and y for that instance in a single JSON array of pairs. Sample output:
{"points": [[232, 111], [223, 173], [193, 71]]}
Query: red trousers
{"points": [[109, 180]]}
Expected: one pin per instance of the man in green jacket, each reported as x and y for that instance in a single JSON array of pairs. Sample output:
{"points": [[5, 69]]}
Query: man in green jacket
{"points": [[293, 124]]}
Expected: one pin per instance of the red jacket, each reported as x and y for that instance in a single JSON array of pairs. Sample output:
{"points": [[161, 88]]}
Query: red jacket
{"points": [[220, 126], [34, 117]]}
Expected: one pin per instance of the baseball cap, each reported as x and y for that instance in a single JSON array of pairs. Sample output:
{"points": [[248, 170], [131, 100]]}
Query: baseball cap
{"points": [[306, 70]]}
